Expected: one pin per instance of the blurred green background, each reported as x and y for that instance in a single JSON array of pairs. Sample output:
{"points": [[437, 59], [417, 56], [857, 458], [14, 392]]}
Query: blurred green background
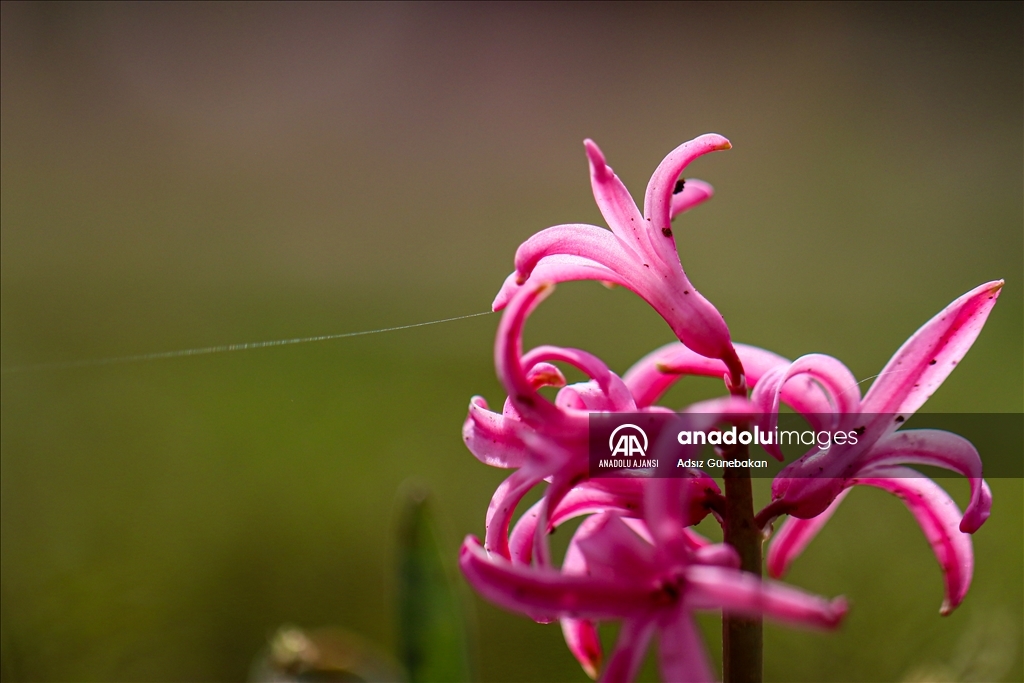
{"points": [[181, 176]]}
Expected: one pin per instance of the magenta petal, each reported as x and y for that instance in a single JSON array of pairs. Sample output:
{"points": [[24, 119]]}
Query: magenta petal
{"points": [[587, 241], [652, 375], [926, 359], [742, 593], [664, 503], [503, 505], [569, 398], [536, 590], [835, 378], [794, 535], [508, 348], [620, 495], [658, 199], [611, 385], [801, 385], [491, 437], [584, 644], [612, 197], [634, 637], [509, 361], [591, 397], [575, 561], [588, 498], [939, 518], [938, 449], [520, 541], [613, 551], [718, 554], [556, 269], [545, 375], [681, 651], [694, 192], [561, 484]]}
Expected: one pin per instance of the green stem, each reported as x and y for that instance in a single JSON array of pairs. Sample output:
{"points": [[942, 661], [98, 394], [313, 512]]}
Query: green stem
{"points": [[741, 636]]}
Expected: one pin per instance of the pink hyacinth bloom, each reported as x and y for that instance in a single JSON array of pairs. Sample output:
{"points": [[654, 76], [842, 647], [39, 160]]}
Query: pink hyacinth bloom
{"points": [[639, 253], [625, 497], [810, 488], [541, 439], [652, 572]]}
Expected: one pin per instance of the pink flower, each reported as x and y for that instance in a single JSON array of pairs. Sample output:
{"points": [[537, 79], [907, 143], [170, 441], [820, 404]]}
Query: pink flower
{"points": [[640, 251], [810, 488], [541, 439], [652, 573]]}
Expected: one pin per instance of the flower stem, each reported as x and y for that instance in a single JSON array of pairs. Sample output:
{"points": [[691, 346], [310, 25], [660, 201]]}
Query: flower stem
{"points": [[741, 636]]}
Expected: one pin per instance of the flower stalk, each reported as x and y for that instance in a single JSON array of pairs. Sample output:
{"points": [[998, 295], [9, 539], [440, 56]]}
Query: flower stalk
{"points": [[741, 635]]}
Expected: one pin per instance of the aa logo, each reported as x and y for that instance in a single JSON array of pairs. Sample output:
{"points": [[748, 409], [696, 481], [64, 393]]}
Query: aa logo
{"points": [[628, 441]]}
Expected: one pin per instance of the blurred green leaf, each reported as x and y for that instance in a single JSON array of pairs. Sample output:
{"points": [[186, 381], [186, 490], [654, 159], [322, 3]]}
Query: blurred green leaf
{"points": [[433, 643]]}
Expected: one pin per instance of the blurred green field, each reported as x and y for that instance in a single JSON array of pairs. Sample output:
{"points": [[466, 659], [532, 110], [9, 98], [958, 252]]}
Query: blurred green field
{"points": [[176, 178]]}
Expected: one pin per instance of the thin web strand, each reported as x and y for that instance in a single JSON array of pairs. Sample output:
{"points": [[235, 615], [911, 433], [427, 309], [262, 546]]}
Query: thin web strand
{"points": [[161, 355]]}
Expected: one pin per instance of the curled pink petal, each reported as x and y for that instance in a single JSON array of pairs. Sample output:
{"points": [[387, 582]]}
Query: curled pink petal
{"points": [[533, 589], [575, 631], [930, 354], [491, 437], [939, 518], [598, 495], [838, 382], [561, 484], [545, 375], [693, 193], [612, 197], [571, 399], [738, 592], [652, 375], [520, 541], [681, 653], [586, 241], [624, 664], [695, 540], [503, 505], [509, 360], [663, 512], [938, 449], [719, 554], [815, 376], [610, 384], [658, 199], [591, 397], [558, 268], [612, 550], [794, 535], [584, 644]]}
